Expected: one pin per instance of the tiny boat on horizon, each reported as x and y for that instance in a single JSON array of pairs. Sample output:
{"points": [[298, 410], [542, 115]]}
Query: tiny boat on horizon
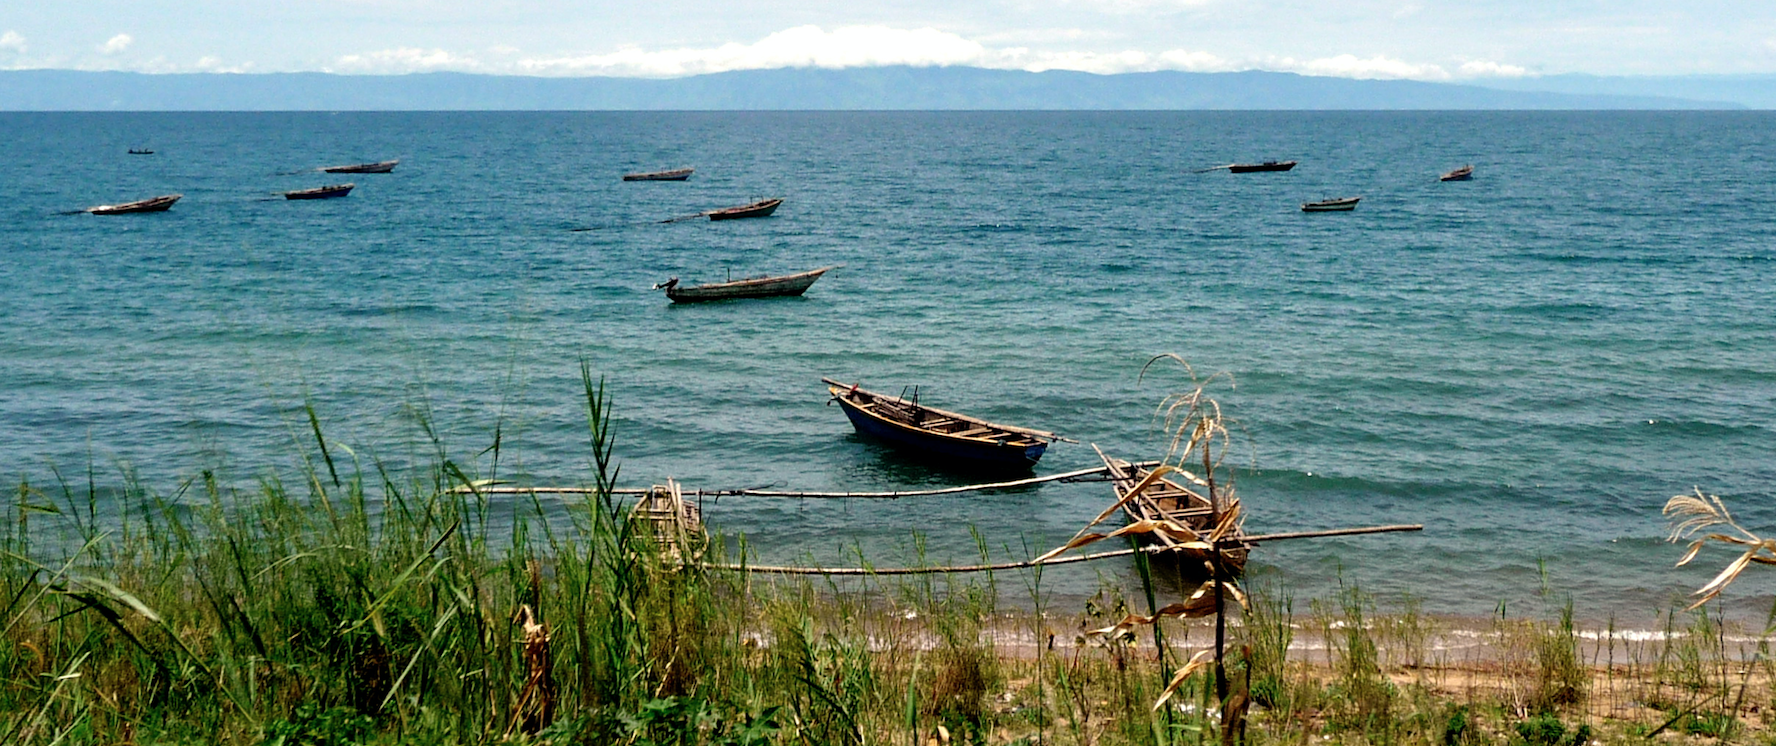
{"points": [[754, 287], [134, 151], [677, 174], [1464, 173], [379, 167], [759, 209], [322, 192], [948, 436], [1342, 204], [1247, 168], [152, 204]]}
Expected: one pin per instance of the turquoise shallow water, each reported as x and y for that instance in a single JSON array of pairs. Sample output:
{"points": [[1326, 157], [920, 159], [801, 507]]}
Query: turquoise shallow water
{"points": [[1528, 363]]}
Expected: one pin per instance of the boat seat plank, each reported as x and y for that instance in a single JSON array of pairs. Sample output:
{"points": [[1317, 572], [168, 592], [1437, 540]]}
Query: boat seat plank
{"points": [[973, 431]]}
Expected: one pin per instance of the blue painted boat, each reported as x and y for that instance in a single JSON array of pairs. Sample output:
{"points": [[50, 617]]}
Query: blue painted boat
{"points": [[943, 435]]}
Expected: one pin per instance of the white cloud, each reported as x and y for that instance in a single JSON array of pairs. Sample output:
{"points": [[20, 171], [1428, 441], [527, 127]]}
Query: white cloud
{"points": [[872, 46], [1352, 66], [1198, 62], [210, 64], [861, 46], [1490, 69], [1046, 36], [802, 46], [405, 60], [116, 44], [12, 42], [1148, 7]]}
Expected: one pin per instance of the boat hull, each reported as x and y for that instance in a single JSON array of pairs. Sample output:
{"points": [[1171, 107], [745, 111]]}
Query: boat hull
{"points": [[754, 210], [1460, 174], [1167, 500], [157, 204], [942, 447], [382, 167], [327, 192], [1331, 205], [674, 175], [1252, 168], [764, 287]]}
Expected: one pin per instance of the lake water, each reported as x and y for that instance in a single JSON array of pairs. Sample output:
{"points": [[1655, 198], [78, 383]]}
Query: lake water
{"points": [[1529, 363]]}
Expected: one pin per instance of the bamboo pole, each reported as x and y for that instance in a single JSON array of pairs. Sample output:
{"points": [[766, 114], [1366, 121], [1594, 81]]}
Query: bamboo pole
{"points": [[790, 570], [750, 492]]}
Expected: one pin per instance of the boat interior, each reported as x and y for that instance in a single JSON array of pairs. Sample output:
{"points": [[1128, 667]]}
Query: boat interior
{"points": [[908, 413]]}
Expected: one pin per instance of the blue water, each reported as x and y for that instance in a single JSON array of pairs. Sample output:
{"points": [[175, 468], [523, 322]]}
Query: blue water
{"points": [[1529, 363]]}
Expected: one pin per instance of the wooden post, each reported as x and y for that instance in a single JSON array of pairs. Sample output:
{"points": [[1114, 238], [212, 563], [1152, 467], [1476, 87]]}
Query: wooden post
{"points": [[1216, 570]]}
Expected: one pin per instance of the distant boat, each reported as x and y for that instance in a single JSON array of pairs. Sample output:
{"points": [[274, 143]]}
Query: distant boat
{"points": [[1464, 173], [944, 435], [1187, 513], [1342, 204], [134, 151], [756, 287], [379, 167], [153, 204], [677, 174], [1246, 168], [321, 192], [759, 209]]}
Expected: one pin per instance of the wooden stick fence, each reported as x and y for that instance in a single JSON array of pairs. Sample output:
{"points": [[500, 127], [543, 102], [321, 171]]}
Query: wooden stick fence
{"points": [[957, 569], [1079, 475]]}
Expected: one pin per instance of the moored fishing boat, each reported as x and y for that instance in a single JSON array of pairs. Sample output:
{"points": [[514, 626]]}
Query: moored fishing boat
{"points": [[379, 167], [759, 209], [1464, 173], [321, 192], [675, 523], [957, 438], [1186, 518], [677, 174], [1247, 168], [152, 204], [752, 287], [1342, 204]]}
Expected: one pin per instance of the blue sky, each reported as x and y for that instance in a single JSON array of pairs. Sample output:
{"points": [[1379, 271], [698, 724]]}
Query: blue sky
{"points": [[1417, 39]]}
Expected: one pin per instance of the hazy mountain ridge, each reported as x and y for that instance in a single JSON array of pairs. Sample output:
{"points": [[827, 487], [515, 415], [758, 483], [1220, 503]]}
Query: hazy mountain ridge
{"points": [[934, 88]]}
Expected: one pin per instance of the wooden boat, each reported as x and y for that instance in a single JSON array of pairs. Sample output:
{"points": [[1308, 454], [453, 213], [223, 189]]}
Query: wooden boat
{"points": [[322, 192], [754, 287], [948, 436], [1166, 500], [379, 167], [153, 204], [759, 209], [677, 174], [1464, 173], [1342, 204], [1247, 168], [676, 525]]}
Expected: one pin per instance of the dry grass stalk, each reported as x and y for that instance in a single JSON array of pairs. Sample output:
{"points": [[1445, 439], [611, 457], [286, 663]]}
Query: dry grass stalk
{"points": [[1690, 514], [535, 708], [1200, 604], [1197, 662]]}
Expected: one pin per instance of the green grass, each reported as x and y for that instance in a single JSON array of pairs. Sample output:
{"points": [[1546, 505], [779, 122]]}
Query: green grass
{"points": [[353, 601]]}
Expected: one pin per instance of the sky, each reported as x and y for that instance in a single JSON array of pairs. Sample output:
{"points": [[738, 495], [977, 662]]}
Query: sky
{"points": [[1435, 40]]}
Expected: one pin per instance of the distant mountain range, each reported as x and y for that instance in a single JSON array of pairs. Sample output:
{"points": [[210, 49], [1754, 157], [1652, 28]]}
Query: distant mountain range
{"points": [[921, 88]]}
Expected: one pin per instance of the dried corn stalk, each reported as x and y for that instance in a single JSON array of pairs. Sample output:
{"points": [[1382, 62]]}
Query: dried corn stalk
{"points": [[1690, 514], [535, 708]]}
